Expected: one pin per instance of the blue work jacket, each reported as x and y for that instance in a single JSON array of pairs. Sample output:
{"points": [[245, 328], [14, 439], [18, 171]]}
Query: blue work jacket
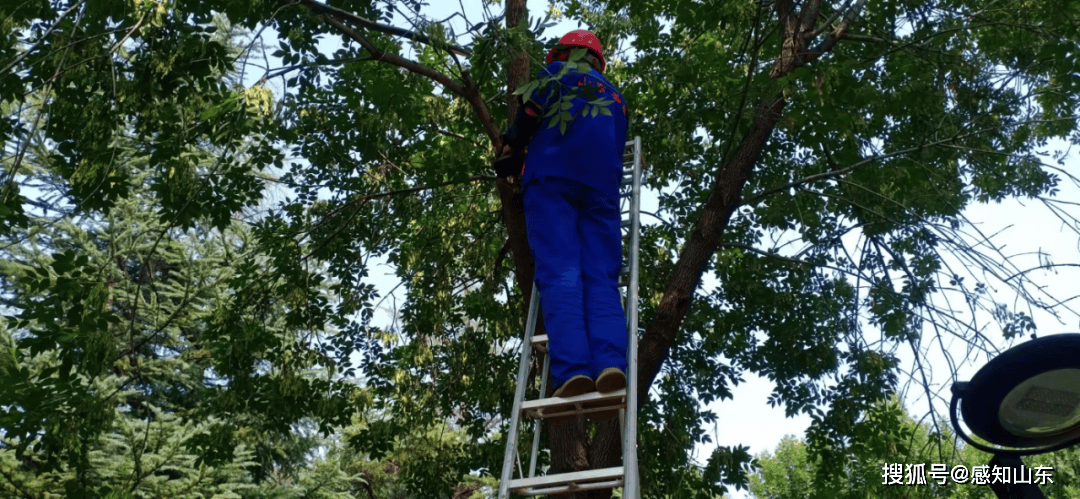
{"points": [[590, 152]]}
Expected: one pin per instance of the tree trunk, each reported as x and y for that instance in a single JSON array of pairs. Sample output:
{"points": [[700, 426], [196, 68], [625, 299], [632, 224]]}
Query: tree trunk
{"points": [[660, 335], [715, 216], [513, 210], [568, 442]]}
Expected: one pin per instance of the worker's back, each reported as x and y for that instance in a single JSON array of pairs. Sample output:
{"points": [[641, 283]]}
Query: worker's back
{"points": [[590, 152]]}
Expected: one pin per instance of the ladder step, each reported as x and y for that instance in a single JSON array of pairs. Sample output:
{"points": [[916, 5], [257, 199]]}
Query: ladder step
{"points": [[605, 478], [539, 341], [599, 401]]}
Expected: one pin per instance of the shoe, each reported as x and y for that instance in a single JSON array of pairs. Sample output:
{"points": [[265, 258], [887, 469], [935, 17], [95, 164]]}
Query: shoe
{"points": [[578, 385], [610, 380]]}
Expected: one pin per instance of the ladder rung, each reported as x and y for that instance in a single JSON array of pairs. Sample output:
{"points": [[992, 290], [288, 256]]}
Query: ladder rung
{"points": [[563, 489], [566, 482], [602, 402], [625, 270], [624, 223], [540, 342]]}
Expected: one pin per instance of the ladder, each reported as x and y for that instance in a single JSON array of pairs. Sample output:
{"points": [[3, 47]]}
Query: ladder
{"points": [[626, 475]]}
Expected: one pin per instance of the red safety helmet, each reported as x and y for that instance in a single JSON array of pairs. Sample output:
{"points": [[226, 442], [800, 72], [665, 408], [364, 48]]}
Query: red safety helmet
{"points": [[580, 38]]}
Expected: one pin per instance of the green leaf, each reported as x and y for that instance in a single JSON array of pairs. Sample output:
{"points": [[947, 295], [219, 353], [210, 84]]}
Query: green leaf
{"points": [[528, 87]]}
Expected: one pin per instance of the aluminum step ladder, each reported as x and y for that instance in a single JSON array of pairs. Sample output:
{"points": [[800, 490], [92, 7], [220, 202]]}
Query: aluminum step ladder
{"points": [[625, 476]]}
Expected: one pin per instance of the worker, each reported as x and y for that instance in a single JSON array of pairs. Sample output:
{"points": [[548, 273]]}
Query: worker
{"points": [[570, 187]]}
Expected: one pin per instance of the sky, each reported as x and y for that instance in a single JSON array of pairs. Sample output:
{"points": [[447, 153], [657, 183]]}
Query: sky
{"points": [[1026, 230]]}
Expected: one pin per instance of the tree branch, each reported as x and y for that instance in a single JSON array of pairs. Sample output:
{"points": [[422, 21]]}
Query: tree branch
{"points": [[796, 261], [825, 25], [458, 136], [271, 74], [41, 40], [466, 90], [836, 172], [368, 197], [795, 55], [322, 8], [395, 59], [502, 255], [674, 305], [810, 14], [1047, 266]]}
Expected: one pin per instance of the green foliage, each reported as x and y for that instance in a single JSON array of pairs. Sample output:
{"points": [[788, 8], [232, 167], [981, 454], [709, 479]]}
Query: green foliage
{"points": [[558, 113], [150, 280], [135, 458]]}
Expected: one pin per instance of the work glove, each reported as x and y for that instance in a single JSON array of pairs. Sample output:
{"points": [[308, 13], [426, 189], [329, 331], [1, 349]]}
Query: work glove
{"points": [[510, 164]]}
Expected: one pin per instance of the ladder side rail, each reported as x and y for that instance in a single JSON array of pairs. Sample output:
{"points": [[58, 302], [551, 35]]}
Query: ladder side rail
{"points": [[519, 396], [536, 424], [631, 485]]}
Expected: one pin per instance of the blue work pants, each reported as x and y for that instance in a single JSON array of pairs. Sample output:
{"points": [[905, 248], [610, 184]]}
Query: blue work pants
{"points": [[577, 246]]}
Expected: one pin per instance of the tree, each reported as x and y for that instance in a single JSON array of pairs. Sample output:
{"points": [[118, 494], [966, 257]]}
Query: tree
{"points": [[812, 124], [134, 362], [105, 366]]}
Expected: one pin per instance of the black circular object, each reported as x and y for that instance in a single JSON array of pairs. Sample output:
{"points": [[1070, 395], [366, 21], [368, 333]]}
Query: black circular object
{"points": [[984, 394]]}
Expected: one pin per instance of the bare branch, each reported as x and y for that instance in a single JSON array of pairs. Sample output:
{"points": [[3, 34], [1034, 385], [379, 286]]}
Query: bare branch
{"points": [[1048, 266]]}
